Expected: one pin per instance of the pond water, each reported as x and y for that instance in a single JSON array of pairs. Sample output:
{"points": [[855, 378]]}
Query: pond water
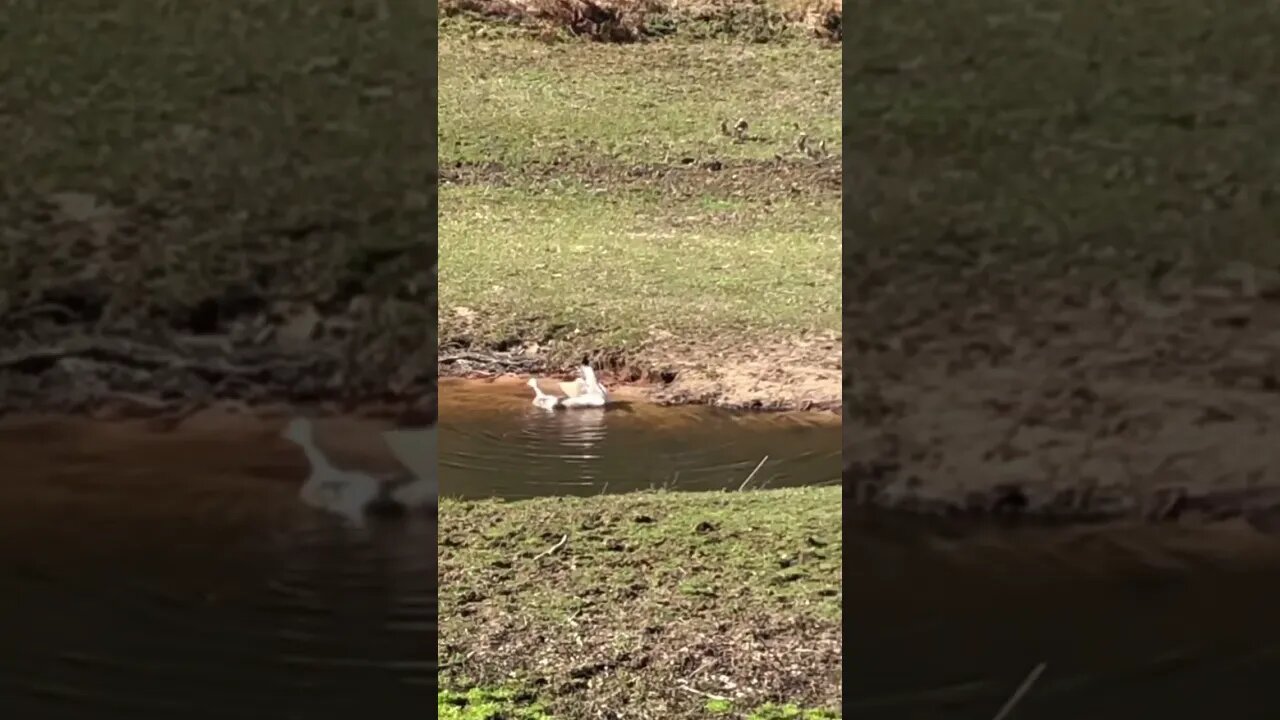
{"points": [[147, 574], [493, 442], [176, 574], [1130, 621]]}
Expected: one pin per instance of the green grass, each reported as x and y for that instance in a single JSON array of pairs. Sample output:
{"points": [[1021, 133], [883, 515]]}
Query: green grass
{"points": [[774, 550], [278, 143], [478, 704], [518, 101], [789, 712], [1070, 135], [562, 240], [618, 270], [656, 575]]}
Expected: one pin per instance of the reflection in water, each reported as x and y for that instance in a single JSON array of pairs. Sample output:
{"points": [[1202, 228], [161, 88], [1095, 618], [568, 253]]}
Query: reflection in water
{"points": [[166, 575], [496, 443]]}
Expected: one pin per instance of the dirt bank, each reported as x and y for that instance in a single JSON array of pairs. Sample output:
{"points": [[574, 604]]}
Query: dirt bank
{"points": [[650, 601], [256, 354], [800, 375], [1064, 398]]}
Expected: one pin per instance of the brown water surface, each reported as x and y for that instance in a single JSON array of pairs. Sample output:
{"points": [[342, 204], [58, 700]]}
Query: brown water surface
{"points": [[493, 442], [148, 574]]}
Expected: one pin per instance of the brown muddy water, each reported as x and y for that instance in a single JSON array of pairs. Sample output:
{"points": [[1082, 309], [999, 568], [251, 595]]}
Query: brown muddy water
{"points": [[176, 574], [494, 443]]}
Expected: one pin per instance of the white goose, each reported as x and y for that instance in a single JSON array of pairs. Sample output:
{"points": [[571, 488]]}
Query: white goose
{"points": [[346, 493], [587, 392]]}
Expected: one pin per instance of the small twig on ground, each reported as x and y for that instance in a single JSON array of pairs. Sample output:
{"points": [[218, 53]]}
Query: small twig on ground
{"points": [[708, 695], [753, 473], [1022, 690], [552, 549]]}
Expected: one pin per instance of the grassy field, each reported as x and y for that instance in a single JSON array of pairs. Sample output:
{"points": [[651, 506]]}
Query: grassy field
{"points": [[582, 604], [219, 170], [597, 199], [1119, 138], [616, 272]]}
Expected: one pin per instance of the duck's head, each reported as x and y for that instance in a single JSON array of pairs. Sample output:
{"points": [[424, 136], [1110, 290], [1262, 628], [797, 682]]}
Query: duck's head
{"points": [[298, 430]]}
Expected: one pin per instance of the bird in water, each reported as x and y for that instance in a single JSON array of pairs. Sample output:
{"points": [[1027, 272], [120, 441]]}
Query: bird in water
{"points": [[541, 399], [590, 392], [350, 494]]}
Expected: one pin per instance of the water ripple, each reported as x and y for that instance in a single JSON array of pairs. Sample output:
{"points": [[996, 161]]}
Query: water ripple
{"points": [[508, 449]]}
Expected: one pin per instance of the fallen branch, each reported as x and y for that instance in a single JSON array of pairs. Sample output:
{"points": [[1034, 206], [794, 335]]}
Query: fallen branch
{"points": [[552, 549], [753, 473], [1022, 690]]}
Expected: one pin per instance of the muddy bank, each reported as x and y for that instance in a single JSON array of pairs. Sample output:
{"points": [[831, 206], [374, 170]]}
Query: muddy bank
{"points": [[1065, 399], [801, 375], [228, 351]]}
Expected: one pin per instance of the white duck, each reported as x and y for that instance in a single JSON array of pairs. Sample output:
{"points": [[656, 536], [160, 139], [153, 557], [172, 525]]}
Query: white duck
{"points": [[584, 393], [541, 399], [593, 394], [346, 493]]}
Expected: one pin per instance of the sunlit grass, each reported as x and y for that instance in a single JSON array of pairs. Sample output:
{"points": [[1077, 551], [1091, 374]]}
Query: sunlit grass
{"points": [[621, 269], [515, 101]]}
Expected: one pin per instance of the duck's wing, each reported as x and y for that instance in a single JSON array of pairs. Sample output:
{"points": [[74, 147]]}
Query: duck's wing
{"points": [[572, 389], [589, 379]]}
